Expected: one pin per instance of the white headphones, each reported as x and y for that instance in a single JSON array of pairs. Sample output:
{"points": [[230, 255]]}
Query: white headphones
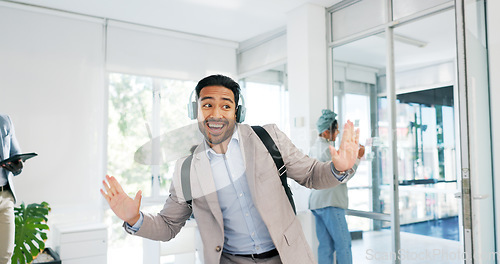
{"points": [[193, 108]]}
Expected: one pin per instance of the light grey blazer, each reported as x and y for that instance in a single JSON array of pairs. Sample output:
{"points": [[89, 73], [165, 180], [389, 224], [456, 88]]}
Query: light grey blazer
{"points": [[267, 193], [10, 147]]}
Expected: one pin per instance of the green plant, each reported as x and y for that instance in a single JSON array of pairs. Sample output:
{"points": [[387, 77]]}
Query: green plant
{"points": [[30, 227]]}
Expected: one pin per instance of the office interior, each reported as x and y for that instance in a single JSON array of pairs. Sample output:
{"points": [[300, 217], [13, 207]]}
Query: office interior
{"points": [[89, 93]]}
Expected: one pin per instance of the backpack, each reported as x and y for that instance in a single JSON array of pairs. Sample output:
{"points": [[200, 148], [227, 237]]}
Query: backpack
{"points": [[273, 151]]}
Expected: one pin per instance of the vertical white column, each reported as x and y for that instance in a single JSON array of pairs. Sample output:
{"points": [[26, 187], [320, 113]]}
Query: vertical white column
{"points": [[307, 71], [307, 84]]}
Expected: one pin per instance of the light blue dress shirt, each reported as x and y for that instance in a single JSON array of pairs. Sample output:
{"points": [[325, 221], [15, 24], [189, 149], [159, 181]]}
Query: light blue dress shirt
{"points": [[244, 230]]}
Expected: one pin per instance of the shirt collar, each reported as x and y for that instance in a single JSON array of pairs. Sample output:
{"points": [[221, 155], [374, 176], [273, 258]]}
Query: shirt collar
{"points": [[234, 138]]}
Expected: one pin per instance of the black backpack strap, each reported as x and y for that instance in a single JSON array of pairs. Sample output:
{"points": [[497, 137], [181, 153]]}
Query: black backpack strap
{"points": [[186, 180], [278, 160]]}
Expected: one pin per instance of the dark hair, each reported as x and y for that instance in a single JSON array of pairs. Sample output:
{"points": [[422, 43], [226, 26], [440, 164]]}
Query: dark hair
{"points": [[333, 126], [215, 80]]}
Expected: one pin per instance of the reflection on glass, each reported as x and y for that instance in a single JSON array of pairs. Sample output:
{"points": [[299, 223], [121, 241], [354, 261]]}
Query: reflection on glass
{"points": [[424, 53], [174, 96], [426, 127], [426, 138], [358, 71], [143, 113], [142, 108], [130, 109]]}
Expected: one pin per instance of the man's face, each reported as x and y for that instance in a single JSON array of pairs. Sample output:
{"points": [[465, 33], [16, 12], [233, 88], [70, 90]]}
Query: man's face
{"points": [[216, 114]]}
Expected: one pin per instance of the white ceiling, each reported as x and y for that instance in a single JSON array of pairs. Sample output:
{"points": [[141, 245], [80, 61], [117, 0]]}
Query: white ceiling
{"points": [[234, 20]]}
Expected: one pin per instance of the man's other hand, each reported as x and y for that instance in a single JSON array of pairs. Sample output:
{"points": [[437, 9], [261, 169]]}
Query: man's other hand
{"points": [[345, 157], [122, 205]]}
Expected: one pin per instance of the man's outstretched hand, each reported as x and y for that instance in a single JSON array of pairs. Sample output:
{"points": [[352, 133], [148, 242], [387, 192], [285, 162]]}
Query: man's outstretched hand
{"points": [[345, 157], [122, 205]]}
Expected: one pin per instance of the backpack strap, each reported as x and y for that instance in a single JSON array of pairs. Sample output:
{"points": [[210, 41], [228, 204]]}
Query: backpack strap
{"points": [[186, 180], [278, 160]]}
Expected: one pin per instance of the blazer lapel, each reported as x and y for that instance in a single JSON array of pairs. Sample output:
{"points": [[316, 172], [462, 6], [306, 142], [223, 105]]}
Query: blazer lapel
{"points": [[204, 177], [248, 150]]}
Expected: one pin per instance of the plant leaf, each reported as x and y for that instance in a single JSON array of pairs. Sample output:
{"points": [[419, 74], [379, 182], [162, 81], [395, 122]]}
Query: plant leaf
{"points": [[30, 226]]}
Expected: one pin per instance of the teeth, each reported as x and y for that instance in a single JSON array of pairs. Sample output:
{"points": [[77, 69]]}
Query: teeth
{"points": [[215, 125]]}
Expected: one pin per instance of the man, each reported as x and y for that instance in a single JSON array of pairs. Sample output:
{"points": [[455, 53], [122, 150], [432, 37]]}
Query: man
{"points": [[10, 147], [241, 209], [328, 205]]}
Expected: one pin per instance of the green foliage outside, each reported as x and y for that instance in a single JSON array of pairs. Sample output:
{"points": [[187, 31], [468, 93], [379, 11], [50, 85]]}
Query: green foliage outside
{"points": [[30, 235], [130, 122]]}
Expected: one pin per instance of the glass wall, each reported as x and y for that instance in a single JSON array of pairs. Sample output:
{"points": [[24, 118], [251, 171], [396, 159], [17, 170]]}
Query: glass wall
{"points": [[404, 192]]}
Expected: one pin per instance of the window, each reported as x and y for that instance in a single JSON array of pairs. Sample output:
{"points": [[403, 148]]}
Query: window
{"points": [[266, 100], [144, 115], [148, 130]]}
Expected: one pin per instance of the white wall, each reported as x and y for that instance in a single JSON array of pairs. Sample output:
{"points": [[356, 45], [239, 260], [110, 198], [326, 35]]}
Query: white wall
{"points": [[154, 52], [307, 71], [262, 53], [52, 85], [53, 75]]}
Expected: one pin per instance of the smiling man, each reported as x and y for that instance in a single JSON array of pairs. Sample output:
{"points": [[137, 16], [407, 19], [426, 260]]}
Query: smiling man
{"points": [[242, 211], [217, 112]]}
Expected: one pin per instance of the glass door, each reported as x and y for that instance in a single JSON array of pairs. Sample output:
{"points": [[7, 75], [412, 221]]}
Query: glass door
{"points": [[398, 82], [426, 111], [358, 74]]}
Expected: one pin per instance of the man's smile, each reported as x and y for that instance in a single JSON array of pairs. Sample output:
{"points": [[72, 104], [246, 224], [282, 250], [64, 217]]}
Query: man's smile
{"points": [[215, 127]]}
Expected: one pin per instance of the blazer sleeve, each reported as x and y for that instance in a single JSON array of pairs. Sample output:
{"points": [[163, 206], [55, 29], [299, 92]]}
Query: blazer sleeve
{"points": [[166, 224], [305, 170]]}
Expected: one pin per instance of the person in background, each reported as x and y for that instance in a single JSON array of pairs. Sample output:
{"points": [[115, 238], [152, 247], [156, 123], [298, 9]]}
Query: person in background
{"points": [[328, 205], [242, 211], [10, 147]]}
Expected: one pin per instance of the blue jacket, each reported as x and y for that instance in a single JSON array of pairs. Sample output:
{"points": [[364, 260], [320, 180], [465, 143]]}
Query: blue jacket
{"points": [[10, 147]]}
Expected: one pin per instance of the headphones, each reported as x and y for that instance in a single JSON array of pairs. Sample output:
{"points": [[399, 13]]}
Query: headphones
{"points": [[193, 108]]}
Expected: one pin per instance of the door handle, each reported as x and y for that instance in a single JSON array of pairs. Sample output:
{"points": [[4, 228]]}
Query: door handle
{"points": [[480, 197]]}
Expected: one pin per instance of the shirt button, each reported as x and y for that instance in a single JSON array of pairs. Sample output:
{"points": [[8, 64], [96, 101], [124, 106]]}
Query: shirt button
{"points": [[241, 194], [218, 248]]}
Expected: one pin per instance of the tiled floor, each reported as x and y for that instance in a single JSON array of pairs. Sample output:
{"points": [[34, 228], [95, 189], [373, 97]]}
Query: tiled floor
{"points": [[376, 247], [441, 228]]}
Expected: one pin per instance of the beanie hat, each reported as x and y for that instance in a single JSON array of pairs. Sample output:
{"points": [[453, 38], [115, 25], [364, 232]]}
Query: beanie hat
{"points": [[325, 120]]}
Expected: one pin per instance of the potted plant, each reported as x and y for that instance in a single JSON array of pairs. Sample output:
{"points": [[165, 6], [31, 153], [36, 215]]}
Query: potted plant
{"points": [[30, 222]]}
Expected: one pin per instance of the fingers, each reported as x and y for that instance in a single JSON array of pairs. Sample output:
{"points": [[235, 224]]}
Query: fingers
{"points": [[333, 151], [347, 134], [138, 197], [115, 186], [108, 189], [112, 186], [105, 196]]}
